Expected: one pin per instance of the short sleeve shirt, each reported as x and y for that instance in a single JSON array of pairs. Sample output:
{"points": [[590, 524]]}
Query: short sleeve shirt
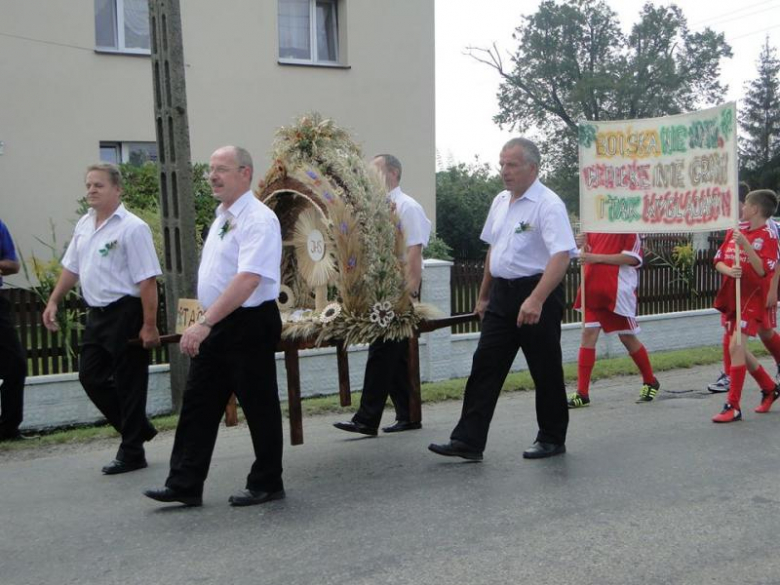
{"points": [[246, 237], [611, 287], [524, 234], [414, 223], [753, 288], [7, 250], [113, 259]]}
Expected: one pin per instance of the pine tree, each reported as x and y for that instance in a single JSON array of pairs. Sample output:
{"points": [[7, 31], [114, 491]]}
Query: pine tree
{"points": [[760, 112]]}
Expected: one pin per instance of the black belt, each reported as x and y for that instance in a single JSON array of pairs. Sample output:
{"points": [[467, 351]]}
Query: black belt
{"points": [[517, 282], [116, 304]]}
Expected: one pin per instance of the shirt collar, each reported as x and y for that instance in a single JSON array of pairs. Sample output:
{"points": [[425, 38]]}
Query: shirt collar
{"points": [[238, 205], [393, 195], [531, 194], [120, 212]]}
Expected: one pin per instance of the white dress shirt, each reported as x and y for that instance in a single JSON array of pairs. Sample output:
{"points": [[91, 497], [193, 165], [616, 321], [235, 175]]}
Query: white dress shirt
{"points": [[111, 260], [525, 234], [414, 222], [246, 237]]}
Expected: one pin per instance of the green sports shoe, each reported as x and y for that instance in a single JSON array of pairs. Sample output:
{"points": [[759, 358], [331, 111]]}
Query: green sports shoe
{"points": [[576, 400], [649, 391]]}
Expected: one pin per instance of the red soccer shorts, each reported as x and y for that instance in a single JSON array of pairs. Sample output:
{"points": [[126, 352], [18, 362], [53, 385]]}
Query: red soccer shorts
{"points": [[611, 322]]}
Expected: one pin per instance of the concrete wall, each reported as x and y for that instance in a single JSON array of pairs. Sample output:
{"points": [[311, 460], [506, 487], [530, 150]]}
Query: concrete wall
{"points": [[59, 97], [59, 400]]}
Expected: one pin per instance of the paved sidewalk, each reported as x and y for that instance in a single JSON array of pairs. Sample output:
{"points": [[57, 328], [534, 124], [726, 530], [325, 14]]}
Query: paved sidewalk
{"points": [[649, 493]]}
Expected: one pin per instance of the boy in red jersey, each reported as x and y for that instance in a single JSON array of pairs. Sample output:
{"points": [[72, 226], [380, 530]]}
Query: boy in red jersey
{"points": [[766, 333], [611, 262], [756, 243]]}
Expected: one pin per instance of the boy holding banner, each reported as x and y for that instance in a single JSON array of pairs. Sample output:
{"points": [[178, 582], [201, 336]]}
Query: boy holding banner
{"points": [[766, 333], [748, 276], [610, 279]]}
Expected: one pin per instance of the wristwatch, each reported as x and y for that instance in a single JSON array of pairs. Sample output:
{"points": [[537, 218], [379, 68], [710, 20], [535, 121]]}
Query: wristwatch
{"points": [[205, 322]]}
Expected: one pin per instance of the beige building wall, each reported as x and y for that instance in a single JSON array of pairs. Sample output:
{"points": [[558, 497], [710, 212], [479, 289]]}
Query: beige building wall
{"points": [[59, 98]]}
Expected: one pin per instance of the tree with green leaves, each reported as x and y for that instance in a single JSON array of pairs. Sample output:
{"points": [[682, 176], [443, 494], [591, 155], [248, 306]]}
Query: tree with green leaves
{"points": [[759, 117], [574, 63], [463, 197]]}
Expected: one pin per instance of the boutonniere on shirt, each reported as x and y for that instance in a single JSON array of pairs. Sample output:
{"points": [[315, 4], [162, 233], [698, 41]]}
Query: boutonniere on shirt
{"points": [[107, 247], [226, 227], [523, 226]]}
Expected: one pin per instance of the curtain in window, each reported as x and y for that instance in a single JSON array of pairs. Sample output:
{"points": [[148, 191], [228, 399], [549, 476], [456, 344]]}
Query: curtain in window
{"points": [[105, 23], [136, 24], [326, 31], [294, 31]]}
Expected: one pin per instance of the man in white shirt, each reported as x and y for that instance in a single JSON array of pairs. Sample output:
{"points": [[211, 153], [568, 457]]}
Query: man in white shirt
{"points": [[521, 302], [112, 256], [387, 368], [233, 344]]}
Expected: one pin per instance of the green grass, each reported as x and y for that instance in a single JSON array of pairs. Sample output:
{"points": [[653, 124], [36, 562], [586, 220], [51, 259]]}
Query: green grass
{"points": [[431, 392]]}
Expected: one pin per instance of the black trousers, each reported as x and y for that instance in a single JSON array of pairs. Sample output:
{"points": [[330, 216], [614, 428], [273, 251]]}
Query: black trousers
{"points": [[13, 371], [237, 357], [498, 345], [115, 375], [387, 374]]}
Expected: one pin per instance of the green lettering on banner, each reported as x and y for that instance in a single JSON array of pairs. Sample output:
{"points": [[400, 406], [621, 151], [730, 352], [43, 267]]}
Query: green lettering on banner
{"points": [[623, 208]]}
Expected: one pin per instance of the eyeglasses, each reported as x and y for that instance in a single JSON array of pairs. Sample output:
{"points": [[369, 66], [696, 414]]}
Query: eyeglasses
{"points": [[223, 170]]}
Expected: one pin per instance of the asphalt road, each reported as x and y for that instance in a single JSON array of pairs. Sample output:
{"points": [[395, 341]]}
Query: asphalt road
{"points": [[650, 493]]}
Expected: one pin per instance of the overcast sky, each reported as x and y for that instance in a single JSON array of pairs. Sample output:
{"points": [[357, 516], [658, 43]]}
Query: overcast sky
{"points": [[466, 90]]}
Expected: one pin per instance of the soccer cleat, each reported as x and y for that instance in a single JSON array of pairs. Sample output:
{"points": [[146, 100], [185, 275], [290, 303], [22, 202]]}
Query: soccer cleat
{"points": [[649, 391], [722, 384], [727, 415], [767, 399], [577, 400]]}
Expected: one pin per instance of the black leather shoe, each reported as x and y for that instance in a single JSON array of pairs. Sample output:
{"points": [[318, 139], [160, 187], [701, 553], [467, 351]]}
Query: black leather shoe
{"points": [[456, 449], [169, 495], [356, 427], [540, 450], [117, 466], [402, 425], [253, 498]]}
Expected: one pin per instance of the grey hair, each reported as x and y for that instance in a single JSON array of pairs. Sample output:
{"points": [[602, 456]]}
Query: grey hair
{"points": [[391, 162], [113, 172], [530, 150], [243, 158]]}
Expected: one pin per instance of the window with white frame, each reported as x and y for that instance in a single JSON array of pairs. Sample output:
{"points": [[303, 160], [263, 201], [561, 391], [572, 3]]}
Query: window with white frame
{"points": [[135, 153], [308, 31], [122, 26]]}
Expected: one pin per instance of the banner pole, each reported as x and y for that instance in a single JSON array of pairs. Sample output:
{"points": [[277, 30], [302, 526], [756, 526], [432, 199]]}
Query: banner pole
{"points": [[738, 284]]}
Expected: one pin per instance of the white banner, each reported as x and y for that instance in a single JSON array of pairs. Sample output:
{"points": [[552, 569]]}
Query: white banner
{"points": [[671, 174]]}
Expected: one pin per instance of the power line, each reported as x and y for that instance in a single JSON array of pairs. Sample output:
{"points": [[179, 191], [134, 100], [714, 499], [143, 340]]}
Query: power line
{"points": [[719, 16], [42, 42], [733, 18], [755, 32]]}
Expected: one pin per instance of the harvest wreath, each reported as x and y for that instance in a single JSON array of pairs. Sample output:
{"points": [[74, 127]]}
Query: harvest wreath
{"points": [[343, 270]]}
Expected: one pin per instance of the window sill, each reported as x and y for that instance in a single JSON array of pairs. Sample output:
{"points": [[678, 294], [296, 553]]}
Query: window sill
{"points": [[127, 52], [325, 65]]}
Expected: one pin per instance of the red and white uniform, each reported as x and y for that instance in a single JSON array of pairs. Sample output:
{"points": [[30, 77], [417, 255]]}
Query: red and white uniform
{"points": [[610, 293], [753, 288]]}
